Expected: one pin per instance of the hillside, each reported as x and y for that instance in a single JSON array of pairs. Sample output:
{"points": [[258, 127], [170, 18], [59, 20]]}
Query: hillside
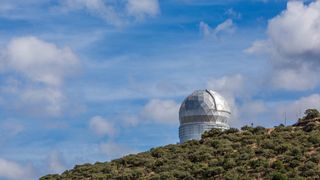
{"points": [[250, 153]]}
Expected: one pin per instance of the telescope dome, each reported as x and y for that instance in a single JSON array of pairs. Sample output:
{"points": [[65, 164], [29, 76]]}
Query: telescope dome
{"points": [[202, 111]]}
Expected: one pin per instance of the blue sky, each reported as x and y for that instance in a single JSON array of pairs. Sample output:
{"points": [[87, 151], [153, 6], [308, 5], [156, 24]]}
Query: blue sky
{"points": [[91, 80]]}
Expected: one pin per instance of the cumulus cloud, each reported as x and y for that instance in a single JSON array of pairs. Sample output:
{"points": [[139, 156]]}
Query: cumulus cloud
{"points": [[116, 13], [299, 25], [225, 27], [293, 45], [295, 109], [161, 111], [295, 78], [101, 126], [13, 170], [35, 71], [38, 60]]}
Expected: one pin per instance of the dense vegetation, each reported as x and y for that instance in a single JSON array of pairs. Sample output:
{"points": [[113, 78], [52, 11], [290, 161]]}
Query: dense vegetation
{"points": [[250, 153]]}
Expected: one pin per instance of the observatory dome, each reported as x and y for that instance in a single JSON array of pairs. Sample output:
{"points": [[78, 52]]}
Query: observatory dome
{"points": [[202, 111]]}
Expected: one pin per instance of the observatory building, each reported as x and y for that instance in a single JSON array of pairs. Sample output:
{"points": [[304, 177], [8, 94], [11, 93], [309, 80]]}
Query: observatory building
{"points": [[200, 112]]}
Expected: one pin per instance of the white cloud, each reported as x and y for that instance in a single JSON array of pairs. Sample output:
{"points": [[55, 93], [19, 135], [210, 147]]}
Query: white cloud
{"points": [[113, 150], [299, 25], [142, 8], [13, 170], [161, 111], [56, 163], [205, 29], [117, 13], [295, 109], [38, 60], [101, 126], [225, 27], [293, 45], [299, 79], [95, 7], [258, 47], [35, 71]]}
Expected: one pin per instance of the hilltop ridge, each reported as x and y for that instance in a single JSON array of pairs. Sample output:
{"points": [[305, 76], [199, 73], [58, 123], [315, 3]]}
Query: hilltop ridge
{"points": [[282, 152]]}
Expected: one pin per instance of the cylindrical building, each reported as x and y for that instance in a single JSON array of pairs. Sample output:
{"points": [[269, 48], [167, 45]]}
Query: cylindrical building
{"points": [[200, 112]]}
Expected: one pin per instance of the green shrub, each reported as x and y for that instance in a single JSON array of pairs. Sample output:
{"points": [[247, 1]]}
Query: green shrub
{"points": [[278, 176], [246, 128], [278, 165], [213, 171], [231, 130], [258, 130], [314, 139], [311, 113]]}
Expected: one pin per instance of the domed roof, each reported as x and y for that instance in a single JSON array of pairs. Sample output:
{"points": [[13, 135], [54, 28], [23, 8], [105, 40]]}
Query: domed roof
{"points": [[203, 105]]}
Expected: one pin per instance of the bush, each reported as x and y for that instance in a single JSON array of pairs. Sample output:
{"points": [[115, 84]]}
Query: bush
{"points": [[212, 133], [295, 151], [314, 139], [310, 127], [258, 130], [278, 176], [294, 163], [166, 175], [311, 113], [246, 128], [213, 171], [229, 163], [278, 165], [282, 148], [231, 130]]}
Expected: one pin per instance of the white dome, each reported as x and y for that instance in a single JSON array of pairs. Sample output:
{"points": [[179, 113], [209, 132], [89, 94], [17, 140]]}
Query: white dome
{"points": [[202, 111], [201, 105]]}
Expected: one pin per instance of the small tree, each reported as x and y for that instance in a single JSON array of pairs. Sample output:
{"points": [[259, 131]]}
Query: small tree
{"points": [[311, 113]]}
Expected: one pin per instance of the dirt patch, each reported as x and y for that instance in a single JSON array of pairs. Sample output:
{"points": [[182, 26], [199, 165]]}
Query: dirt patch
{"points": [[270, 130]]}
